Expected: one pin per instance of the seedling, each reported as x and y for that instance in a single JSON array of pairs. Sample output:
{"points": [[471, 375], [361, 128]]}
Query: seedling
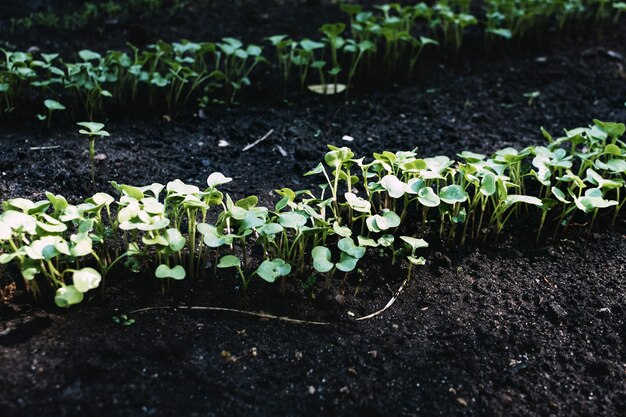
{"points": [[123, 320], [166, 229], [51, 105], [531, 96], [336, 42], [414, 244], [92, 131]]}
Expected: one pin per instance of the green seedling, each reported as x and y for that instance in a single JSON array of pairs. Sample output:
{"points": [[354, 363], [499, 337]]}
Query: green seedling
{"points": [[166, 228], [268, 270], [414, 244], [123, 320], [333, 38], [349, 256], [232, 261], [51, 106], [92, 131], [532, 96]]}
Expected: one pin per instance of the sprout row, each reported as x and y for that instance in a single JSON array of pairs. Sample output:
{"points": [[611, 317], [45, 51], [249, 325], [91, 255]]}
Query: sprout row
{"points": [[178, 230], [383, 44]]}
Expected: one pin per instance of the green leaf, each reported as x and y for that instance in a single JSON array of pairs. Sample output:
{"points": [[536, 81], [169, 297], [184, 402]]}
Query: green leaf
{"points": [[378, 223], [427, 197], [86, 279], [503, 33], [252, 220], [282, 203], [391, 219], [593, 200], [49, 57], [488, 185], [179, 188], [269, 229], [526, 199], [471, 156], [612, 149], [291, 220], [59, 203], [452, 194], [51, 225], [6, 232], [87, 55], [248, 203], [229, 261], [332, 30], [321, 259], [395, 188], [81, 245], [53, 105], [357, 203], [152, 206], [414, 243], [309, 45], [616, 166], [347, 245], [346, 262], [614, 130], [156, 240], [414, 185], [417, 261], [164, 271], [93, 129], [22, 204], [271, 270], [560, 195], [155, 188], [175, 239], [29, 272], [336, 158], [67, 296], [44, 248], [217, 178], [342, 231], [319, 168], [20, 221], [129, 190], [102, 199], [212, 237], [5, 258], [234, 211], [460, 217], [366, 241], [386, 241]]}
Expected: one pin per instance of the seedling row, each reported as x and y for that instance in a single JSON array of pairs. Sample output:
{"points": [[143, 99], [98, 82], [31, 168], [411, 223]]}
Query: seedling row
{"points": [[383, 206], [384, 43]]}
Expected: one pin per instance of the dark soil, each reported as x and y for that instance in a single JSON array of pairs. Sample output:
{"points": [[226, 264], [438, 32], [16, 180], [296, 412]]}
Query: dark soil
{"points": [[514, 329]]}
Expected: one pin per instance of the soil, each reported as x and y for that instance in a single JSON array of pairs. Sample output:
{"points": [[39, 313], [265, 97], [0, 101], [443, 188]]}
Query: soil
{"points": [[514, 329]]}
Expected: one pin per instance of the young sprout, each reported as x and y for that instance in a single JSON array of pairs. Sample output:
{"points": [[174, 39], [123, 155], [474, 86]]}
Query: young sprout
{"points": [[123, 320], [414, 244], [84, 280], [348, 258], [231, 261], [531, 96], [51, 105], [92, 131]]}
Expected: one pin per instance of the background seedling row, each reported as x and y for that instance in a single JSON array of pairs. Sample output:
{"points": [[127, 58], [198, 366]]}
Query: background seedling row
{"points": [[384, 44]]}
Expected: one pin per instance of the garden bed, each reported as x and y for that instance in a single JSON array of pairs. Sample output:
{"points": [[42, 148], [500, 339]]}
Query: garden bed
{"points": [[515, 328]]}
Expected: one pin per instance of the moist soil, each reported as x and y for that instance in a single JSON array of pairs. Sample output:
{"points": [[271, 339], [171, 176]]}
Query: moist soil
{"points": [[516, 328]]}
